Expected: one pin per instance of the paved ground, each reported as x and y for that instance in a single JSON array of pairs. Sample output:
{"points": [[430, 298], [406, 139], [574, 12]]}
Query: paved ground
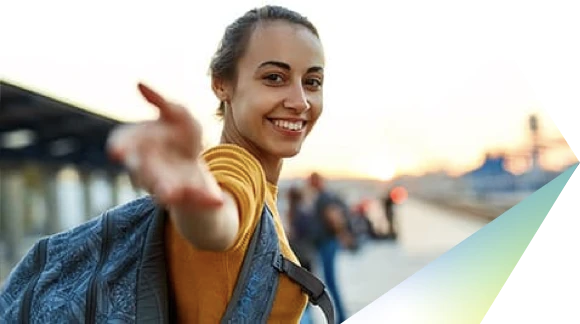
{"points": [[426, 232]]}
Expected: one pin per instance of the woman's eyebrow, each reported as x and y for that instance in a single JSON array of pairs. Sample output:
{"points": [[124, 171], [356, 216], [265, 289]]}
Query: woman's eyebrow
{"points": [[287, 67], [281, 65]]}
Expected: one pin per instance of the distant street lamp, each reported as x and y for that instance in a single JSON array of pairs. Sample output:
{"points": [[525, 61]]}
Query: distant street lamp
{"points": [[534, 128], [533, 123]]}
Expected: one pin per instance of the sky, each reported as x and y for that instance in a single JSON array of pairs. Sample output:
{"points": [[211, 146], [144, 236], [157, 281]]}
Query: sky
{"points": [[409, 87]]}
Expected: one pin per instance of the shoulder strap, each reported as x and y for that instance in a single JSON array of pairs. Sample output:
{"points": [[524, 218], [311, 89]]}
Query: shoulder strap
{"points": [[257, 283], [152, 291], [309, 283], [255, 290], [39, 263]]}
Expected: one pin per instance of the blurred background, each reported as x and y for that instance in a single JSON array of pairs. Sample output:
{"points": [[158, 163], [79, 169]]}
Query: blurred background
{"points": [[429, 123]]}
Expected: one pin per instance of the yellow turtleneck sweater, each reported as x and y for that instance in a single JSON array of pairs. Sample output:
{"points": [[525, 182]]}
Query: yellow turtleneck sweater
{"points": [[203, 281]]}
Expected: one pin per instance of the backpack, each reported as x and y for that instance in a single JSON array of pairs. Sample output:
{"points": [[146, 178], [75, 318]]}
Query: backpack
{"points": [[112, 269]]}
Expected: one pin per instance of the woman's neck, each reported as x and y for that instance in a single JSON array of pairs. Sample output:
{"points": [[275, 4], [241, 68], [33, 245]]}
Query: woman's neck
{"points": [[272, 166]]}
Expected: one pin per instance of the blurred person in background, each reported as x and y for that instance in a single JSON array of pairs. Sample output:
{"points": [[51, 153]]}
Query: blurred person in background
{"points": [[389, 203], [299, 236], [361, 211], [394, 196], [330, 230], [179, 255]]}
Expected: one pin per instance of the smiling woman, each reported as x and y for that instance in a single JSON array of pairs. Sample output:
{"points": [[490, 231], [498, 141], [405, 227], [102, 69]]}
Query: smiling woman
{"points": [[275, 97], [209, 236]]}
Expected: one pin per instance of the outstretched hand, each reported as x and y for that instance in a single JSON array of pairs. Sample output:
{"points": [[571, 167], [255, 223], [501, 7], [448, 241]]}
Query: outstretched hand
{"points": [[163, 155]]}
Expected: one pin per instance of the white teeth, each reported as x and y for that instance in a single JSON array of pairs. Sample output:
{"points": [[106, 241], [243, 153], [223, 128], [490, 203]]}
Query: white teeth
{"points": [[289, 125]]}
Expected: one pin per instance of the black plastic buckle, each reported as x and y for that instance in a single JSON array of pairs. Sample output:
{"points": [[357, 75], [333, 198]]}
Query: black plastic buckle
{"points": [[278, 263], [295, 272]]}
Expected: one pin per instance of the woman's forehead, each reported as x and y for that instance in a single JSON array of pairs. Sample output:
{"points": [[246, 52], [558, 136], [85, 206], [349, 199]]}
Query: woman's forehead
{"points": [[292, 44]]}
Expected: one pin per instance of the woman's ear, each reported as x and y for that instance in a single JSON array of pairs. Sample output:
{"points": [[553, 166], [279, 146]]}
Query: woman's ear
{"points": [[220, 89]]}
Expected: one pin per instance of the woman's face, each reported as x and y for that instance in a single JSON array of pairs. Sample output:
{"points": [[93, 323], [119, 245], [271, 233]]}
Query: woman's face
{"points": [[277, 96]]}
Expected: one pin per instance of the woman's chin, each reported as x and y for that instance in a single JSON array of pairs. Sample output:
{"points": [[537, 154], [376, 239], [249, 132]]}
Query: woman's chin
{"points": [[291, 155], [286, 151]]}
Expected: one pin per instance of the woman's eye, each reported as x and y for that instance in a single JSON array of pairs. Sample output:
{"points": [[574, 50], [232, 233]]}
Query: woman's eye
{"points": [[314, 83], [275, 78]]}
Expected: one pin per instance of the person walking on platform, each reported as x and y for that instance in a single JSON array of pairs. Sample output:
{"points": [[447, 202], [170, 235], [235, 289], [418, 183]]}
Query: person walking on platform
{"points": [[299, 236], [330, 232]]}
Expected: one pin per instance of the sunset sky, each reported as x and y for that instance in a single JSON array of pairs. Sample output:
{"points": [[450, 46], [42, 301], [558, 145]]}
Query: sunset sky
{"points": [[408, 88]]}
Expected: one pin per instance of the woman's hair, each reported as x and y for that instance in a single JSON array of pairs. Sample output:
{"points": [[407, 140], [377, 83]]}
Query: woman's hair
{"points": [[237, 35]]}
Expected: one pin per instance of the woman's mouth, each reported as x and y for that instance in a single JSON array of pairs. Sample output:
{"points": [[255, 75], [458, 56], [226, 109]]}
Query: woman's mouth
{"points": [[289, 125]]}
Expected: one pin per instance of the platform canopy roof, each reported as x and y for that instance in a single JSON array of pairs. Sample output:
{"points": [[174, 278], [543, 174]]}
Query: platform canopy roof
{"points": [[37, 128]]}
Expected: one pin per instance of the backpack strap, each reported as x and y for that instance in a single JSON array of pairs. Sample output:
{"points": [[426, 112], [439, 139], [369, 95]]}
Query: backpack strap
{"points": [[257, 283], [253, 296], [310, 284]]}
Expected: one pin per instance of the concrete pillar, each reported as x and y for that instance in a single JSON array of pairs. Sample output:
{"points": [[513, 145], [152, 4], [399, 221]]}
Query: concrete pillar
{"points": [[50, 189], [86, 185], [33, 213], [3, 217], [113, 179], [11, 209]]}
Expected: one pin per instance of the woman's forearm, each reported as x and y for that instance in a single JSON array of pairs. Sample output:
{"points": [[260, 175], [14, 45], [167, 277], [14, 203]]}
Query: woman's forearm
{"points": [[211, 228]]}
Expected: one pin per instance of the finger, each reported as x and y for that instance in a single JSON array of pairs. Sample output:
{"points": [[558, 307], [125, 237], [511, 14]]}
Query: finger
{"points": [[121, 140], [132, 160], [134, 138], [134, 180], [115, 153], [167, 110], [115, 146], [147, 163]]}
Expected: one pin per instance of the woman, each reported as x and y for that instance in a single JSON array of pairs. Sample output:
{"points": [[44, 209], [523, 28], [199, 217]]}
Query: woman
{"points": [[299, 236], [267, 74]]}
